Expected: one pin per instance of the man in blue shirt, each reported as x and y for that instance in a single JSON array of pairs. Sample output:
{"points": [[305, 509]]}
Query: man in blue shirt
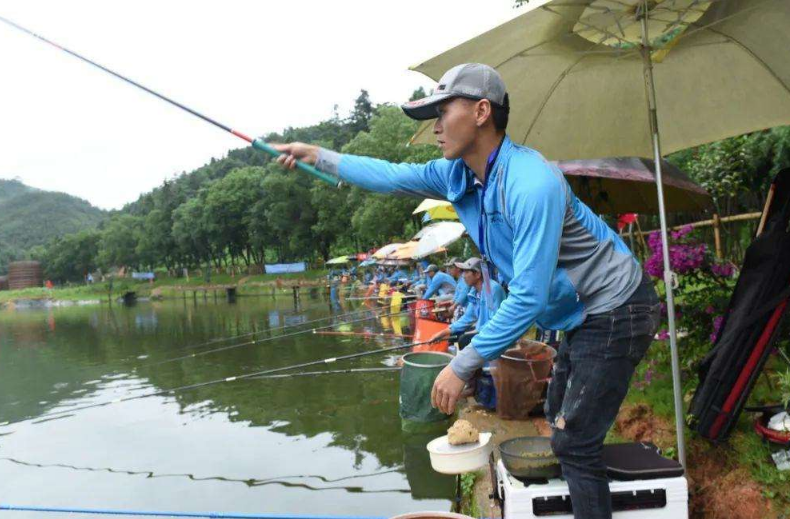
{"points": [[565, 268], [461, 287], [477, 312], [439, 283], [398, 275]]}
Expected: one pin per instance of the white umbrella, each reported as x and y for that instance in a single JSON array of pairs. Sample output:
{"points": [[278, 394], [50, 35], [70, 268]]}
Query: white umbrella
{"points": [[387, 250], [437, 236], [581, 72]]}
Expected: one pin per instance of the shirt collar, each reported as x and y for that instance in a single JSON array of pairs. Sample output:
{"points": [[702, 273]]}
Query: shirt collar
{"points": [[497, 153]]}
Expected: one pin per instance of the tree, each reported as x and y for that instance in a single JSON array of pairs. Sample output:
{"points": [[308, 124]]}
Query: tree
{"points": [[118, 242], [362, 113], [388, 138], [71, 257], [284, 214], [333, 219], [737, 171], [227, 212], [419, 93]]}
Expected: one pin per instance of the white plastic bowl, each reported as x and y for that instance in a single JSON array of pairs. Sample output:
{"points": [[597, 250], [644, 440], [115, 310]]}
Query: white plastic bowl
{"points": [[459, 459]]}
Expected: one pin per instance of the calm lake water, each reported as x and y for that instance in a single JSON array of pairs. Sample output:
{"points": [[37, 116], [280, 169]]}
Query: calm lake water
{"points": [[327, 444]]}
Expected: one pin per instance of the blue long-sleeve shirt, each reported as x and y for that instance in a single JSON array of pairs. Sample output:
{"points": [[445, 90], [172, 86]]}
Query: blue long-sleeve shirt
{"points": [[442, 283], [477, 311], [560, 260], [397, 276], [461, 291]]}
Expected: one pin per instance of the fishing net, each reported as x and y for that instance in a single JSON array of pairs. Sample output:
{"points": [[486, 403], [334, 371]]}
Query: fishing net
{"points": [[416, 381]]}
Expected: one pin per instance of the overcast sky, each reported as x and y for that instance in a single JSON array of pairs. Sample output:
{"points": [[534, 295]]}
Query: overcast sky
{"points": [[257, 66]]}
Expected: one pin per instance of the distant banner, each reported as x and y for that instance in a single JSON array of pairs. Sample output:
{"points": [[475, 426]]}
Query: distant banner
{"points": [[143, 275], [285, 268]]}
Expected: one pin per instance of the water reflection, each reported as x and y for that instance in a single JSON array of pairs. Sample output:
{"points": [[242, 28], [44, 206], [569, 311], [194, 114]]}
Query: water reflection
{"points": [[273, 442]]}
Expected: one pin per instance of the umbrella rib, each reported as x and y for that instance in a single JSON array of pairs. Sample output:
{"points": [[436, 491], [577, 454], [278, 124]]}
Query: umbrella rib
{"points": [[698, 28], [521, 52], [589, 26], [753, 55], [548, 96]]}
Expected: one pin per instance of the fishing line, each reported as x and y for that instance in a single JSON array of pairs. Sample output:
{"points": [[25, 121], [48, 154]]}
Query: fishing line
{"points": [[329, 372], [259, 341], [243, 376], [279, 328]]}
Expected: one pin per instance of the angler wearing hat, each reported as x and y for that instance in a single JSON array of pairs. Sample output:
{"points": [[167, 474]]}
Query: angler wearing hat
{"points": [[439, 283], [565, 268], [461, 287], [477, 312]]}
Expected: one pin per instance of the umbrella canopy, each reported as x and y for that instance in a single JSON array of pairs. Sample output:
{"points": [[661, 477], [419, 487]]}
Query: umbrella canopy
{"points": [[581, 73], [368, 262], [386, 250], [338, 261], [435, 237], [392, 262], [405, 251], [628, 185], [576, 80], [437, 209]]}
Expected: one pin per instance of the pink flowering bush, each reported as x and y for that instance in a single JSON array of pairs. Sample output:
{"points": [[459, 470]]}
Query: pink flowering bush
{"points": [[704, 289]]}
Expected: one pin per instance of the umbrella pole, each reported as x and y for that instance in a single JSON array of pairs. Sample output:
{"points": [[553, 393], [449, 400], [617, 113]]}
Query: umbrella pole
{"points": [[668, 274]]}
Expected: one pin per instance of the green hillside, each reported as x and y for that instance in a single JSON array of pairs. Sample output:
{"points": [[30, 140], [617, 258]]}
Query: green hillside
{"points": [[31, 217]]}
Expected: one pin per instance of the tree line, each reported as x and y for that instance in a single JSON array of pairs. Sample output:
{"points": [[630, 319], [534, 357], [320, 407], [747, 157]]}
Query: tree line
{"points": [[244, 210]]}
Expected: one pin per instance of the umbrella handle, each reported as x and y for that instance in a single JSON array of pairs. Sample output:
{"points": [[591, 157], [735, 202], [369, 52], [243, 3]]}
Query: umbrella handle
{"points": [[259, 144]]}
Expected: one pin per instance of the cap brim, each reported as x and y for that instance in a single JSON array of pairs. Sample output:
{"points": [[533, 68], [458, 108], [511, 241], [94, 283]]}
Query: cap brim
{"points": [[425, 108]]}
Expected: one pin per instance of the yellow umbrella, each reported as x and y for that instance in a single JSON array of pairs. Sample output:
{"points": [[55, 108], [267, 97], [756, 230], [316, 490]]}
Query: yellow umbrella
{"points": [[337, 261], [437, 209]]}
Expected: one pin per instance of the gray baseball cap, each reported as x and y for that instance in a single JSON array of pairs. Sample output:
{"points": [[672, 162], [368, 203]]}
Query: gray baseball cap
{"points": [[475, 264], [470, 80], [453, 261], [432, 268]]}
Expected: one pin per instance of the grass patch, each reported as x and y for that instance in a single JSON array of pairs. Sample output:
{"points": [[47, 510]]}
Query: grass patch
{"points": [[168, 287], [469, 504], [744, 449]]}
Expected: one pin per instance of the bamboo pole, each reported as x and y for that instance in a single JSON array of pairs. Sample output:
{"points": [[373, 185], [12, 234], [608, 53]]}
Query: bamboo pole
{"points": [[708, 223], [764, 214], [717, 234]]}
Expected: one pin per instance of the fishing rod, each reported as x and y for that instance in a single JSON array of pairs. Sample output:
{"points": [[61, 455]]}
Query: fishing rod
{"points": [[243, 376], [405, 296], [256, 143], [329, 372], [259, 341], [364, 334]]}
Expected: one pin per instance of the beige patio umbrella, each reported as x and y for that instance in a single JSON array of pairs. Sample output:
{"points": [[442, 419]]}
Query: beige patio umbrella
{"points": [[437, 209], [606, 78]]}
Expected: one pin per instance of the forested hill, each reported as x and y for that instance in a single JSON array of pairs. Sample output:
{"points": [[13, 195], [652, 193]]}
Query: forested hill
{"points": [[31, 217], [243, 211]]}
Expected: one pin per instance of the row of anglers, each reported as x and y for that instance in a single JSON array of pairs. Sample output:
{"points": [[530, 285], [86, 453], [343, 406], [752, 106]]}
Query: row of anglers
{"points": [[460, 288]]}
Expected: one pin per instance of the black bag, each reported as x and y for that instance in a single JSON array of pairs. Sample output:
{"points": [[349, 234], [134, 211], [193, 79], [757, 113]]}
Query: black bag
{"points": [[754, 314]]}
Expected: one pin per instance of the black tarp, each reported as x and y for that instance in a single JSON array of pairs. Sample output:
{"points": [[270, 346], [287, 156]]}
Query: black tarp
{"points": [[752, 320]]}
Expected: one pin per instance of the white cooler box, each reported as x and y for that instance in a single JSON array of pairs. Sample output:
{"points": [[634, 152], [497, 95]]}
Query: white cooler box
{"points": [[644, 485]]}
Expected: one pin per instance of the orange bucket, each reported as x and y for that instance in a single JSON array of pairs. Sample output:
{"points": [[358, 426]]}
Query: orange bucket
{"points": [[427, 328], [422, 308]]}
